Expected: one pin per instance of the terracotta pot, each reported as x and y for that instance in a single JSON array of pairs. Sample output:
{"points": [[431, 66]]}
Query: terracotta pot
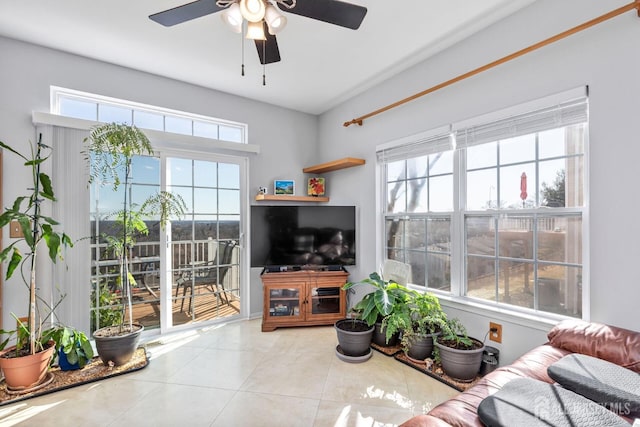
{"points": [[26, 371], [117, 349]]}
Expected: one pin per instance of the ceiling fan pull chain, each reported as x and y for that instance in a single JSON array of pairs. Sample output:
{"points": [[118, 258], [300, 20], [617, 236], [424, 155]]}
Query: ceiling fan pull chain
{"points": [[242, 47], [264, 67]]}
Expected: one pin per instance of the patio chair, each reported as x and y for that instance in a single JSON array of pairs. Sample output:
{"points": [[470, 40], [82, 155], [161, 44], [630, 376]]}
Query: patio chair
{"points": [[210, 274], [396, 271]]}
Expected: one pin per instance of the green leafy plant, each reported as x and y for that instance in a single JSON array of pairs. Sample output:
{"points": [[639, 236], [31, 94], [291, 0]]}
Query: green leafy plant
{"points": [[426, 313], [111, 149], [73, 343], [421, 315], [37, 229], [379, 303], [454, 334], [397, 321]]}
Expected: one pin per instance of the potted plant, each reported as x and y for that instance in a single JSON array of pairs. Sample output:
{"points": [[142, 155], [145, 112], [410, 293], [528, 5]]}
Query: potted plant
{"points": [[420, 319], [386, 297], [460, 355], [25, 364], [72, 347], [111, 149], [354, 340]]}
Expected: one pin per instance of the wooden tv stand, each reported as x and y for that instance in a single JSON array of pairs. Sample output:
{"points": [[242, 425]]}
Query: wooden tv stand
{"points": [[303, 298]]}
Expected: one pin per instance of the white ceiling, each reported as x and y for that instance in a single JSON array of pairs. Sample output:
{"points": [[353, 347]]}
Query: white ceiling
{"points": [[322, 64]]}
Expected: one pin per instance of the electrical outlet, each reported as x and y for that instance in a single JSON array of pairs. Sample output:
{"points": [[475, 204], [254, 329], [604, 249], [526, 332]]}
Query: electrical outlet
{"points": [[495, 332], [15, 231]]}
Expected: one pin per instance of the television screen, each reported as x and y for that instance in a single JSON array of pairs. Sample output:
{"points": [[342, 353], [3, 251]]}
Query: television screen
{"points": [[303, 235]]}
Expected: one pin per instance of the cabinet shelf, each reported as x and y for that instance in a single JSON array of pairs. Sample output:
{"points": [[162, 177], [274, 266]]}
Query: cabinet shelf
{"points": [[347, 162], [282, 198], [308, 308]]}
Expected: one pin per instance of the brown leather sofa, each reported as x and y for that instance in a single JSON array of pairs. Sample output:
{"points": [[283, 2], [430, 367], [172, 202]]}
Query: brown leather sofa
{"points": [[616, 345]]}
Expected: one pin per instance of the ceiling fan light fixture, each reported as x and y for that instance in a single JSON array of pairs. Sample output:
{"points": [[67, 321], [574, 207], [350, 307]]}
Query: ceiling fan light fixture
{"points": [[275, 20], [233, 17], [252, 10], [255, 31]]}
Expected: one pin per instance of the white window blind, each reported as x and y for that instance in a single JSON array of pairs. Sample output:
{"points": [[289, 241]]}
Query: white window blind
{"points": [[567, 113], [419, 147]]}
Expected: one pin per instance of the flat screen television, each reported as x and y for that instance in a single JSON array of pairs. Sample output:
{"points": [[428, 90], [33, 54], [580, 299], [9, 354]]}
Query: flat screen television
{"points": [[303, 235]]}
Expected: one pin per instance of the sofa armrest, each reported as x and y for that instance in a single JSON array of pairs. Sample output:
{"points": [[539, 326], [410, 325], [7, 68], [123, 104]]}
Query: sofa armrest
{"points": [[611, 343]]}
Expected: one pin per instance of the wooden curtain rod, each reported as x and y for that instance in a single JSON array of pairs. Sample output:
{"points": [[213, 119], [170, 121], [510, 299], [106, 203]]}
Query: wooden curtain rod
{"points": [[557, 37]]}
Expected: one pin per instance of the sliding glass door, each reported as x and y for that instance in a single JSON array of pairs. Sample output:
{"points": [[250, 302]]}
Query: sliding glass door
{"points": [[204, 246], [190, 270]]}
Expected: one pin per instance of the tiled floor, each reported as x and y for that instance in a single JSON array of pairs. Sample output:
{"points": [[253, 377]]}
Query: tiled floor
{"points": [[236, 375]]}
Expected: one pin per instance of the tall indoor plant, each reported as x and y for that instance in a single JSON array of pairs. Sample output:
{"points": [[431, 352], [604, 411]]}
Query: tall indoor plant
{"points": [[385, 297], [34, 346], [111, 148]]}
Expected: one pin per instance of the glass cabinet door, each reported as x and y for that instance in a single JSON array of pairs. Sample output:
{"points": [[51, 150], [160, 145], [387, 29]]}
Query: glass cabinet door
{"points": [[325, 300], [284, 302]]}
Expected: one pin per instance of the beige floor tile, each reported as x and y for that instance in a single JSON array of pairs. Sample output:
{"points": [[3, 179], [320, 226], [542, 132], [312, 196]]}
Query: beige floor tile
{"points": [[336, 414], [267, 410], [374, 382], [291, 374], [177, 405], [226, 369], [95, 404], [165, 361], [239, 336], [317, 338], [425, 392]]}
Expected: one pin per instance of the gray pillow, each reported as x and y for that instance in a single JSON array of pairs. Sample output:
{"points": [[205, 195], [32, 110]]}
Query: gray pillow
{"points": [[533, 403], [610, 385]]}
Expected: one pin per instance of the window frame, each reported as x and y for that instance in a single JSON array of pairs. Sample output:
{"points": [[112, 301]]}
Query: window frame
{"points": [[458, 283], [58, 94]]}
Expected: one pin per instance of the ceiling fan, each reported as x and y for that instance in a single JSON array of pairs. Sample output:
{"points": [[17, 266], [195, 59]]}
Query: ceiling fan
{"points": [[264, 17]]}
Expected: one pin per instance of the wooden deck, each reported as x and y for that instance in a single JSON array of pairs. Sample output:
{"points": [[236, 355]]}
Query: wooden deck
{"points": [[207, 305]]}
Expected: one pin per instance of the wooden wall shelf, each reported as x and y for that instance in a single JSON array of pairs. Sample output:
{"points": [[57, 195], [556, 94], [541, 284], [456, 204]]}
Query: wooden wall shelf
{"points": [[347, 162], [282, 198], [335, 165]]}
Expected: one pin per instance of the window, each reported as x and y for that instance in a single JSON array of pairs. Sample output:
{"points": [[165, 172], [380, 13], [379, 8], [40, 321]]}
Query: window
{"points": [[81, 105], [498, 219], [419, 208]]}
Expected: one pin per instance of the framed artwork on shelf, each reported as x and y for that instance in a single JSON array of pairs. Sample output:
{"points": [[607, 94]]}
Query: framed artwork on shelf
{"points": [[315, 187], [284, 187]]}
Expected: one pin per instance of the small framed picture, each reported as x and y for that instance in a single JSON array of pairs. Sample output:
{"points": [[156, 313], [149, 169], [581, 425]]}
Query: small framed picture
{"points": [[315, 187], [284, 187]]}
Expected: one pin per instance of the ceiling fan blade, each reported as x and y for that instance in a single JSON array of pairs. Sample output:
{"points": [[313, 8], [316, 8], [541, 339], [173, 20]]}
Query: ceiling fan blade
{"points": [[186, 12], [271, 52], [332, 11]]}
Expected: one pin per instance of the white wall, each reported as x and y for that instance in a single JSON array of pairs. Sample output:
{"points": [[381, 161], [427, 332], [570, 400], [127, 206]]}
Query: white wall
{"points": [[606, 58], [287, 138]]}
